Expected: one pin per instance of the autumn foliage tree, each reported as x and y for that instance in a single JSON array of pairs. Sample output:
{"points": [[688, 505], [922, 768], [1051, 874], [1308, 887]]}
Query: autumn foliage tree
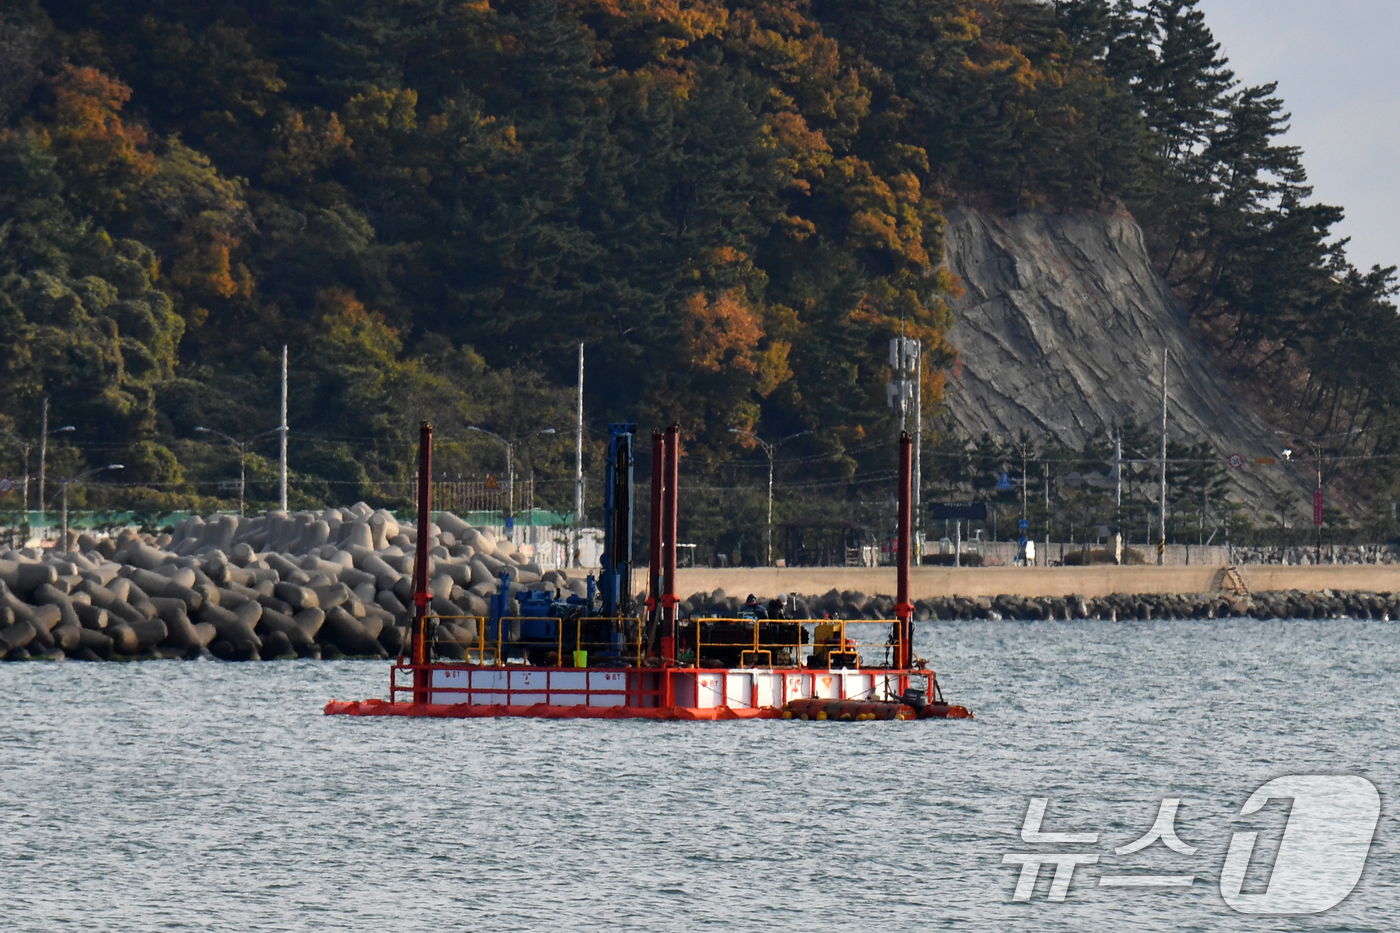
{"points": [[735, 204]]}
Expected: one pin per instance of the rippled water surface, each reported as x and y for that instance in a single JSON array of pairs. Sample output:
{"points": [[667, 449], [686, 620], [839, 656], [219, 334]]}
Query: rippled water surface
{"points": [[207, 796]]}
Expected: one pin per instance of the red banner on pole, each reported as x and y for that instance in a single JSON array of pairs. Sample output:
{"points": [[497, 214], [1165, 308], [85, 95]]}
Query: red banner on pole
{"points": [[1317, 507]]}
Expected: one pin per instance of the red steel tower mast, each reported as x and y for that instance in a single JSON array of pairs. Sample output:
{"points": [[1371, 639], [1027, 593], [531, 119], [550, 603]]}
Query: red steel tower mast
{"points": [[421, 597]]}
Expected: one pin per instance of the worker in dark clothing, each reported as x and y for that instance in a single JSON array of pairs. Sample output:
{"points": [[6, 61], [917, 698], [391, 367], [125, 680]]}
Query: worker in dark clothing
{"points": [[783, 640], [752, 609]]}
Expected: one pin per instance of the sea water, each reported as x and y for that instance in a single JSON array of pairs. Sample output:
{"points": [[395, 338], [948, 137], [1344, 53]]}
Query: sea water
{"points": [[211, 796]]}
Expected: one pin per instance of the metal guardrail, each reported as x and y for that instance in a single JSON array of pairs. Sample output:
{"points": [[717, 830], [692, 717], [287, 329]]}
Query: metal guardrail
{"points": [[743, 642], [504, 648], [718, 642]]}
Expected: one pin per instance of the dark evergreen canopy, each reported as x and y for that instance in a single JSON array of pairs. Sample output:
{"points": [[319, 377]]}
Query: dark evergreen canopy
{"points": [[733, 203]]}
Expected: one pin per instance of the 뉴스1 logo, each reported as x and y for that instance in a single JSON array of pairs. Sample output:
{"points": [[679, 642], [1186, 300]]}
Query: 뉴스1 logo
{"points": [[1324, 846], [1320, 858]]}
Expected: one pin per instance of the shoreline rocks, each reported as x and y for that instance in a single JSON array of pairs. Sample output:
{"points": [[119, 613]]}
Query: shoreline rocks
{"points": [[337, 583], [1289, 604]]}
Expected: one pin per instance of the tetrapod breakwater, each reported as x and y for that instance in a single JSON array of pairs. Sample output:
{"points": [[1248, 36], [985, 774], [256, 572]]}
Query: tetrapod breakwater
{"points": [[310, 585]]}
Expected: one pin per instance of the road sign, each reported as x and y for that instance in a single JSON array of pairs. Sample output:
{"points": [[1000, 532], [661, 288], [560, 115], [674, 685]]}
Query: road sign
{"points": [[1162, 546], [1266, 461], [959, 511], [1236, 461], [1004, 484], [6, 486], [1025, 524], [1317, 507], [491, 482]]}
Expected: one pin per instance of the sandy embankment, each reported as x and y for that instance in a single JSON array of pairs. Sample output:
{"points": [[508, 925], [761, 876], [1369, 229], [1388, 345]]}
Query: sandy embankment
{"points": [[929, 582]]}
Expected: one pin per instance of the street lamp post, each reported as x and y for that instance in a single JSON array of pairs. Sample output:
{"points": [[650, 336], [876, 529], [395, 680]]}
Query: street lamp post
{"points": [[78, 478], [24, 446], [24, 525], [44, 433], [1024, 446], [509, 445], [28, 444], [242, 447], [770, 450], [43, 455], [242, 461], [1316, 446]]}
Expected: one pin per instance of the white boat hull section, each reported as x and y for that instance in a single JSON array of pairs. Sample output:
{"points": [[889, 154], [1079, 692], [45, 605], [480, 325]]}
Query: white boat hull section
{"points": [[735, 688], [750, 688]]}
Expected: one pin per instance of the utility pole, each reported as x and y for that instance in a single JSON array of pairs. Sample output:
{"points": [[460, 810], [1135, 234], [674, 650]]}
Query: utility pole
{"points": [[43, 455], [1046, 467], [282, 429], [1024, 523], [24, 446], [1317, 508], [1205, 502], [1024, 507], [1118, 498], [900, 371], [1162, 502], [26, 484], [44, 433], [578, 468], [906, 360], [918, 450], [769, 560]]}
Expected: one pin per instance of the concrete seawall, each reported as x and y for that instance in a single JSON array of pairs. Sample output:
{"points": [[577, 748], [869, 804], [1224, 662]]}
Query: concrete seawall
{"points": [[1103, 580]]}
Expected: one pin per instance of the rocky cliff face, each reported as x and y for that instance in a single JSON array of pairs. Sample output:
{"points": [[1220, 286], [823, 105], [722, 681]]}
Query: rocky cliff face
{"points": [[1061, 331]]}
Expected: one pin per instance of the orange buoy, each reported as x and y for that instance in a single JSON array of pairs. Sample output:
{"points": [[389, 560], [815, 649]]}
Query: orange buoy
{"points": [[847, 710], [945, 711]]}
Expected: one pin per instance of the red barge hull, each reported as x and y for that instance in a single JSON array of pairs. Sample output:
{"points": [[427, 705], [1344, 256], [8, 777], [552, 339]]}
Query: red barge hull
{"points": [[663, 713], [542, 711], [468, 691]]}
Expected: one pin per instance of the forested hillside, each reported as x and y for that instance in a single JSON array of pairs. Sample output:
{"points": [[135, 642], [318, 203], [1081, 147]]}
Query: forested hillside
{"points": [[733, 203]]}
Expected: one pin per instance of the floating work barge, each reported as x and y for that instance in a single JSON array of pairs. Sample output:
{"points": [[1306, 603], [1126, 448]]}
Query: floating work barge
{"points": [[600, 656]]}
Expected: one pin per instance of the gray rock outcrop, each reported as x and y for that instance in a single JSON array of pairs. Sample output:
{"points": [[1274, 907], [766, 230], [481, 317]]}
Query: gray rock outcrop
{"points": [[1061, 329]]}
